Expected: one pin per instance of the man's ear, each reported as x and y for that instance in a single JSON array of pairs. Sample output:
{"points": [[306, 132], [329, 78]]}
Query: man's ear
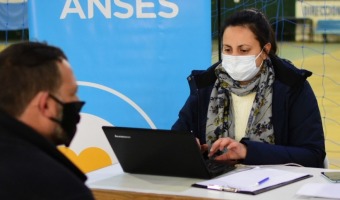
{"points": [[45, 104]]}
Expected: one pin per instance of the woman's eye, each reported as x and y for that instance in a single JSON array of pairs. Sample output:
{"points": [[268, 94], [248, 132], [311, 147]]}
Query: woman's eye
{"points": [[226, 50]]}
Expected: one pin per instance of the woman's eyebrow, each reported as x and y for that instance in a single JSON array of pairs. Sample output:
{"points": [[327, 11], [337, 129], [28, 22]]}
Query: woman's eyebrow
{"points": [[244, 45]]}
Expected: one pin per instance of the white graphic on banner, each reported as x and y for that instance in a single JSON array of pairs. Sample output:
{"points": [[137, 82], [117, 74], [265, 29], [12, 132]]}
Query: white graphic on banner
{"points": [[121, 96], [74, 7], [90, 134]]}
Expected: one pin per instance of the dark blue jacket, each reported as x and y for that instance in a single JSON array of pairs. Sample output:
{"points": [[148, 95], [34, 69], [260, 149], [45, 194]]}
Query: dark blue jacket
{"points": [[298, 131]]}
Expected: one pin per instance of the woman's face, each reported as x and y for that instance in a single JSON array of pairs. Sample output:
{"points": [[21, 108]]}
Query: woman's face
{"points": [[240, 41]]}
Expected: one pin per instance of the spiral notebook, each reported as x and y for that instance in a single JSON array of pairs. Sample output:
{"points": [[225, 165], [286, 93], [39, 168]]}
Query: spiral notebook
{"points": [[253, 181]]}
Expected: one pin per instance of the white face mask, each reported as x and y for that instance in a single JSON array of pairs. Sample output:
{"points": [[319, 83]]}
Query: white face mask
{"points": [[241, 68]]}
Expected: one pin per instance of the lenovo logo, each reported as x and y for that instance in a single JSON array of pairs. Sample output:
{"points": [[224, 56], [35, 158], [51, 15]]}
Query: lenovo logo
{"points": [[122, 136]]}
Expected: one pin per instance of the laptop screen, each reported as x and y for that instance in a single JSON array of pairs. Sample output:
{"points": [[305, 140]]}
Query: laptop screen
{"points": [[157, 152]]}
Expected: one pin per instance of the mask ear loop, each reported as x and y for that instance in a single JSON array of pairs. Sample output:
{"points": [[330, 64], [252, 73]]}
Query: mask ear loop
{"points": [[261, 53], [56, 99], [258, 57], [59, 102]]}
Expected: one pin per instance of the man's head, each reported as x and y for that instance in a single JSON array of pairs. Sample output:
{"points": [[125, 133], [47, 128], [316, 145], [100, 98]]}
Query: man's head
{"points": [[37, 84]]}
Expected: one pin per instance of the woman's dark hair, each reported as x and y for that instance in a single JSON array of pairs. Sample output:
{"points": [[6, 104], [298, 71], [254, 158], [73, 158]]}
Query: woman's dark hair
{"points": [[257, 22]]}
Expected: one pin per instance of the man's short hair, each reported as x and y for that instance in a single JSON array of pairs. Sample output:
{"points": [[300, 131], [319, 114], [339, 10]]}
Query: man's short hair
{"points": [[26, 68]]}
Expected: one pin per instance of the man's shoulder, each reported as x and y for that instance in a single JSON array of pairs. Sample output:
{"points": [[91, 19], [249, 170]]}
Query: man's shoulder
{"points": [[31, 159], [35, 172]]}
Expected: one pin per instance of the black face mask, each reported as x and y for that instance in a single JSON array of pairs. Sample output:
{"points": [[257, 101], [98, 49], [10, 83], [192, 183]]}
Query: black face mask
{"points": [[70, 118]]}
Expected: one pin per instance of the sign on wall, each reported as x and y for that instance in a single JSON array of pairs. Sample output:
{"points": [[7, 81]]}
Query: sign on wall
{"points": [[13, 15], [318, 10], [130, 57]]}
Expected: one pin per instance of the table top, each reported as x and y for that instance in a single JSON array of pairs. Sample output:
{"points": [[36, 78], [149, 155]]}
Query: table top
{"points": [[111, 182]]}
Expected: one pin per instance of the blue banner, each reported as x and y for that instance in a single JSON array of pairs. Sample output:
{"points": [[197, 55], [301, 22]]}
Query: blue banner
{"points": [[131, 57]]}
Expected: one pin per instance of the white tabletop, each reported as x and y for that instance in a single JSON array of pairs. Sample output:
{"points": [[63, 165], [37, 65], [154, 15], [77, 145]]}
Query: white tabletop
{"points": [[113, 178]]}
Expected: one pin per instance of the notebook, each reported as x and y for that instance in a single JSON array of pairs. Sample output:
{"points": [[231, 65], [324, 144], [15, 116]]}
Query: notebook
{"points": [[161, 152]]}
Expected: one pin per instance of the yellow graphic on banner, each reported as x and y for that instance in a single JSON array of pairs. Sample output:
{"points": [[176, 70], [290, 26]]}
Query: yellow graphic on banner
{"points": [[89, 159]]}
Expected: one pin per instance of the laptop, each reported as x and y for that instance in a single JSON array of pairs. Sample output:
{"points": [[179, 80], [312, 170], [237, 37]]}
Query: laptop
{"points": [[161, 152]]}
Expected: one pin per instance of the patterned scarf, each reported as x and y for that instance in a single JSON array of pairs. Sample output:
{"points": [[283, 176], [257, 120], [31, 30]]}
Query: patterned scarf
{"points": [[220, 122]]}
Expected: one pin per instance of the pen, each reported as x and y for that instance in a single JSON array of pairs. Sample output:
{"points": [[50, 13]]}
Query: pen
{"points": [[262, 181]]}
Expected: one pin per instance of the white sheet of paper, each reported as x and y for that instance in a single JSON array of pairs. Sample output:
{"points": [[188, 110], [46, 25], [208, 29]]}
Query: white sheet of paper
{"points": [[245, 180], [324, 190]]}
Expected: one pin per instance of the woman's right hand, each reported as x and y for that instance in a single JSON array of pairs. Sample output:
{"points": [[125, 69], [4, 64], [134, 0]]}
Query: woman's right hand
{"points": [[233, 149]]}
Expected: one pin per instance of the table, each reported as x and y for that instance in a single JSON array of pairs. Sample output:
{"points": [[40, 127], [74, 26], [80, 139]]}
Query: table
{"points": [[112, 183]]}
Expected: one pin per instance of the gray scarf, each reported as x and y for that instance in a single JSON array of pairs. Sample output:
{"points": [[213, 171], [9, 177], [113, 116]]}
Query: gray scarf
{"points": [[220, 122]]}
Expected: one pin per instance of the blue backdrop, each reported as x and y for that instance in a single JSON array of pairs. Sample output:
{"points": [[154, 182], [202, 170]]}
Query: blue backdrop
{"points": [[131, 58]]}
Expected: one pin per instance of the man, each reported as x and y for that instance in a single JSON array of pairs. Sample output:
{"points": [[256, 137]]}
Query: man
{"points": [[39, 109]]}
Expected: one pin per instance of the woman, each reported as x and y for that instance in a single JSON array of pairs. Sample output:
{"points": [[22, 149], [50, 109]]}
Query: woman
{"points": [[254, 106]]}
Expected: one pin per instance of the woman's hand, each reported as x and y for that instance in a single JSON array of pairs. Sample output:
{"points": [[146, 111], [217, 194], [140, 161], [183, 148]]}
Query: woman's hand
{"points": [[233, 149]]}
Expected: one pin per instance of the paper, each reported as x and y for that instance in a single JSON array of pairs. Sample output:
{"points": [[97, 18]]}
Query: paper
{"points": [[323, 190], [251, 181]]}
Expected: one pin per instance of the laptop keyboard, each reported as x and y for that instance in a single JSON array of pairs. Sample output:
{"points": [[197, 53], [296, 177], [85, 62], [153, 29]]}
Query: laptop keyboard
{"points": [[217, 168]]}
